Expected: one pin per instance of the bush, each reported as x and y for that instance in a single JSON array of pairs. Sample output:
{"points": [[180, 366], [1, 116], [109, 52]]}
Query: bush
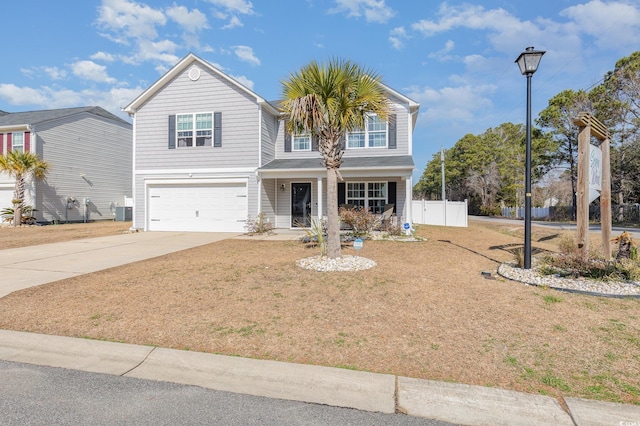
{"points": [[259, 225], [27, 215], [361, 221], [569, 262]]}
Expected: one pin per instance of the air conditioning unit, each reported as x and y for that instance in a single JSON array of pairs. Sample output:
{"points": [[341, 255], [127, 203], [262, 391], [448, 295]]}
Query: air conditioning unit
{"points": [[123, 214]]}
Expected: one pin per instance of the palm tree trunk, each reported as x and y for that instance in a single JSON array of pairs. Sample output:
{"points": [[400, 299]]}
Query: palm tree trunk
{"points": [[18, 202], [333, 223]]}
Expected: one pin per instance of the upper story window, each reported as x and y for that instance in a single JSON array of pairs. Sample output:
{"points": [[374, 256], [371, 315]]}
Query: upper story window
{"points": [[194, 129], [373, 135], [17, 141], [301, 142]]}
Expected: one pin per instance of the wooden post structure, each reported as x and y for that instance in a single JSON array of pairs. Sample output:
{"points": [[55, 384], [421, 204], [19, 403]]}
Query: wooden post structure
{"points": [[589, 126]]}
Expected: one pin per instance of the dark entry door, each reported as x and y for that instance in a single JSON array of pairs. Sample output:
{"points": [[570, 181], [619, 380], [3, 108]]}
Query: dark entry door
{"points": [[301, 205]]}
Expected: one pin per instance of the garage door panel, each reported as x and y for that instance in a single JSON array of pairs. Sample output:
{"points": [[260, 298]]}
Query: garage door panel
{"points": [[211, 207]]}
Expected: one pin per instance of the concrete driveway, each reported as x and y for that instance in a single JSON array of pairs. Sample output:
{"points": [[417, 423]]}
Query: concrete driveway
{"points": [[35, 265]]}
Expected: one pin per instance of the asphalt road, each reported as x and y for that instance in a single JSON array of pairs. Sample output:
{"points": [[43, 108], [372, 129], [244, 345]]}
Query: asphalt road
{"points": [[37, 395], [616, 230]]}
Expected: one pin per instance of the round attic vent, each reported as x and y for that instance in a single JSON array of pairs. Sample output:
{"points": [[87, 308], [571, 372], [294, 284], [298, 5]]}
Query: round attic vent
{"points": [[194, 73]]}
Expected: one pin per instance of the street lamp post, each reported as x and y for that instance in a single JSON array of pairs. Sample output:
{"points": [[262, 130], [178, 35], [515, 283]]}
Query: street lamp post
{"points": [[528, 62]]}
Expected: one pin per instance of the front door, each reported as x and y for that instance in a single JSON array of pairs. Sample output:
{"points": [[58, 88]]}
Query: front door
{"points": [[300, 205]]}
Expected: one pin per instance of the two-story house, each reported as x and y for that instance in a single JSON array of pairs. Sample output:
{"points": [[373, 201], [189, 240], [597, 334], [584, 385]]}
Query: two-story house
{"points": [[210, 153], [89, 153]]}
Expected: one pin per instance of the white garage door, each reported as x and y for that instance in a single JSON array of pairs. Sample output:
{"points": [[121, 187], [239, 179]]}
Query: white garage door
{"points": [[199, 208], [6, 197]]}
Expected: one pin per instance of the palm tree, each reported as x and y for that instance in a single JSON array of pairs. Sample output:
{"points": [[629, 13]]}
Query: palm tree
{"points": [[327, 101], [22, 166]]}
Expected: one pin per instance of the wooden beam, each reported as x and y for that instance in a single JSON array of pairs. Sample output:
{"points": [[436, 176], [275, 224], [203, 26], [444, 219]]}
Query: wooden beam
{"points": [[598, 129], [605, 200], [582, 213]]}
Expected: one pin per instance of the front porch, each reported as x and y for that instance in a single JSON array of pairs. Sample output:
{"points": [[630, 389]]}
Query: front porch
{"points": [[291, 197]]}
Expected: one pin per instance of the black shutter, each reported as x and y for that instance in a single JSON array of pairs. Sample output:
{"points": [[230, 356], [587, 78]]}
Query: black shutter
{"points": [[392, 195], [392, 132], [172, 132], [287, 138], [343, 142], [314, 142], [217, 129], [341, 193]]}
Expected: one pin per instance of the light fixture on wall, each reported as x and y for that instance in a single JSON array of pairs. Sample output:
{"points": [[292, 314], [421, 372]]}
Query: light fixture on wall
{"points": [[282, 187]]}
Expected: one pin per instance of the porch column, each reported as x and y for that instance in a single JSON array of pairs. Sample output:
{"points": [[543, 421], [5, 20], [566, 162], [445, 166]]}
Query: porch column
{"points": [[408, 187], [319, 198]]}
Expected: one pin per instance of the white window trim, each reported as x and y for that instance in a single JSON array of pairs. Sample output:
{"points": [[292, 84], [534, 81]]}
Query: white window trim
{"points": [[366, 192], [293, 142], [194, 130], [13, 138], [366, 136]]}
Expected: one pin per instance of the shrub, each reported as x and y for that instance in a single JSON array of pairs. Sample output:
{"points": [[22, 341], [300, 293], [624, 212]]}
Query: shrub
{"points": [[27, 215], [361, 221], [317, 233], [259, 225]]}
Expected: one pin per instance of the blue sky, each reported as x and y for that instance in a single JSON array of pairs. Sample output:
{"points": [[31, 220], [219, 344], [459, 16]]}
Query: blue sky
{"points": [[455, 58]]}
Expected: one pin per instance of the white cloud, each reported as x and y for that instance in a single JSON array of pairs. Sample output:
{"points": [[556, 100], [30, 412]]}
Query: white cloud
{"points": [[22, 95], [234, 22], [245, 54], [462, 103], [244, 81], [613, 24], [48, 98], [231, 9], [102, 56], [55, 73], [397, 37], [89, 70], [234, 6], [192, 22], [373, 10], [443, 54], [129, 19]]}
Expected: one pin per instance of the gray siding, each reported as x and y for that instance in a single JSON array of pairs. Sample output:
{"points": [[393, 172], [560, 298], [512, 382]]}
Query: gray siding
{"points": [[403, 130], [90, 157], [240, 125], [269, 136]]}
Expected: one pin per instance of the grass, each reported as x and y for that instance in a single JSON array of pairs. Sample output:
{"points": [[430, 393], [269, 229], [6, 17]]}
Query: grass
{"points": [[425, 311]]}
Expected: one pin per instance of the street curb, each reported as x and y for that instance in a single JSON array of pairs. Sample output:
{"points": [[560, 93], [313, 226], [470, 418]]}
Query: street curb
{"points": [[451, 402]]}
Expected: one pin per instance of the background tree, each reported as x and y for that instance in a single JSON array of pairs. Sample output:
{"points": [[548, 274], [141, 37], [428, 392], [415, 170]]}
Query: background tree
{"points": [[327, 101], [488, 168], [617, 102], [557, 120], [22, 166]]}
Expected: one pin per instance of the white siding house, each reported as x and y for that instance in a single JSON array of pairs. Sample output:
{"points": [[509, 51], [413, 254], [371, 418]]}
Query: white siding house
{"points": [[89, 151], [209, 153]]}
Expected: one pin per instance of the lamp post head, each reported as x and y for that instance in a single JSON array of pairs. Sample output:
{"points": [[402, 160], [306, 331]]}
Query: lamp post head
{"points": [[529, 60]]}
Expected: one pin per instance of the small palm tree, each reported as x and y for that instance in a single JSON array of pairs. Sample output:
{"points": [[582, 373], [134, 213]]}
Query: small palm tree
{"points": [[327, 101], [22, 166]]}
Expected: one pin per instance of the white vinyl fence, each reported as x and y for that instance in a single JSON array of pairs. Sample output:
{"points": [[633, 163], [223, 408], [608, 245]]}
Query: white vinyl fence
{"points": [[444, 213]]}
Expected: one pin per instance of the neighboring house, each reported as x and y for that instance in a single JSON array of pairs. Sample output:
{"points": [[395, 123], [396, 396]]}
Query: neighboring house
{"points": [[89, 152], [209, 153]]}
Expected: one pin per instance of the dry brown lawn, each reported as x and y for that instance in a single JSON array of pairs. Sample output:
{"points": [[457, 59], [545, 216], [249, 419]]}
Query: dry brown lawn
{"points": [[425, 311], [24, 236]]}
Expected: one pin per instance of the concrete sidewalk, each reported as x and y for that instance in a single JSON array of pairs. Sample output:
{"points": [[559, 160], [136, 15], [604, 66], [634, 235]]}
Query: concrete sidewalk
{"points": [[35, 265], [456, 403]]}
